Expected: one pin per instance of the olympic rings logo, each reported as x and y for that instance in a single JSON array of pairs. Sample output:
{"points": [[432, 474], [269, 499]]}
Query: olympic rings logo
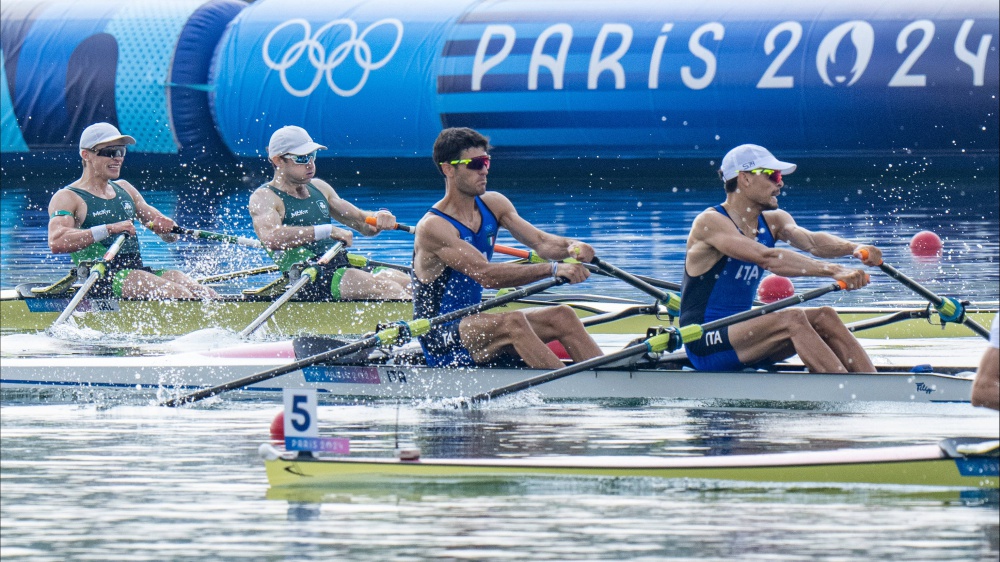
{"points": [[326, 64]]}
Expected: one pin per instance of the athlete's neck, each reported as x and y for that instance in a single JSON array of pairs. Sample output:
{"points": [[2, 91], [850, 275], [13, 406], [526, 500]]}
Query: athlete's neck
{"points": [[94, 183], [293, 188]]}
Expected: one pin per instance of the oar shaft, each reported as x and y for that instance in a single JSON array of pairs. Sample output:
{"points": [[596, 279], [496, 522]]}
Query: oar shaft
{"points": [[774, 306], [238, 274], [96, 272], [950, 310], [386, 336], [217, 237], [278, 303], [275, 372], [304, 279], [75, 302]]}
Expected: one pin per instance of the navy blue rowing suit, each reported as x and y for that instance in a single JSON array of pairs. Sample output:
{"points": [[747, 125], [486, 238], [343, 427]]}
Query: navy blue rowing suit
{"points": [[451, 291], [728, 288]]}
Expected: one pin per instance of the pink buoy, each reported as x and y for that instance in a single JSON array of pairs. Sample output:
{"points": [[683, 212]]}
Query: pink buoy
{"points": [[774, 288], [278, 427], [925, 244]]}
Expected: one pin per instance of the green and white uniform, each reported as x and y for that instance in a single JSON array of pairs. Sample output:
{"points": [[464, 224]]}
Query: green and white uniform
{"points": [[312, 211], [107, 211]]}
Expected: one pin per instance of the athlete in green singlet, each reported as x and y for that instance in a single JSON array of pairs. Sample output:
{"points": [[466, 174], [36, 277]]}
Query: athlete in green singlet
{"points": [[291, 216], [87, 216]]}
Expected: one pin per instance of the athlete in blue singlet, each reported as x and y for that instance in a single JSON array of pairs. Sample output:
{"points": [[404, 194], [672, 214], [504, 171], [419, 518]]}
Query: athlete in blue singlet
{"points": [[453, 290], [451, 265], [728, 250], [728, 288]]}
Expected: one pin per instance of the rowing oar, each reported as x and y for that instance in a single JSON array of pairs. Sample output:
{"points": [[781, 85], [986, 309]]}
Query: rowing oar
{"points": [[949, 309], [217, 237], [96, 272], [669, 300], [307, 276], [238, 274], [386, 336], [668, 341]]}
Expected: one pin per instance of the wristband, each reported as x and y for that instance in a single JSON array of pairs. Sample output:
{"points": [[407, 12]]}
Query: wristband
{"points": [[99, 232], [322, 231], [555, 268]]}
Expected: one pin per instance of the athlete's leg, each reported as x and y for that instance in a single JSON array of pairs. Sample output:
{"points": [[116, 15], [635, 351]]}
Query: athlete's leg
{"points": [[487, 336], [831, 328], [357, 284], [144, 285], [396, 276], [198, 290], [562, 324], [767, 338]]}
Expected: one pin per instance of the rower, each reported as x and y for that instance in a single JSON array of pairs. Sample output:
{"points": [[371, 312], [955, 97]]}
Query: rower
{"points": [[86, 216], [451, 265], [291, 216], [728, 249], [986, 389]]}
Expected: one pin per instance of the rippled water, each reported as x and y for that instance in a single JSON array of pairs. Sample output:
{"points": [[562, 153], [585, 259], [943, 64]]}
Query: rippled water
{"points": [[145, 483], [107, 476], [638, 225]]}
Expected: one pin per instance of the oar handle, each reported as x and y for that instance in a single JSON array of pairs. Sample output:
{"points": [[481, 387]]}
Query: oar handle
{"points": [[217, 237], [399, 226]]}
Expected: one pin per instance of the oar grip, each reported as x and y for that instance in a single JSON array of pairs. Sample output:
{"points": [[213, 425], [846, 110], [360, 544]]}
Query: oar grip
{"points": [[863, 254], [399, 226]]}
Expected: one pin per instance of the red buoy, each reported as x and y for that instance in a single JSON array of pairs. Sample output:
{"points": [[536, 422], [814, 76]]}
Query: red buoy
{"points": [[557, 347], [925, 244], [278, 427], [774, 288]]}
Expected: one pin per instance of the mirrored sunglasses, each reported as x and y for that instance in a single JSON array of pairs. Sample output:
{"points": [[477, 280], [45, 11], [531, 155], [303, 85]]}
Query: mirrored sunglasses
{"points": [[301, 158], [773, 175], [110, 152], [477, 163]]}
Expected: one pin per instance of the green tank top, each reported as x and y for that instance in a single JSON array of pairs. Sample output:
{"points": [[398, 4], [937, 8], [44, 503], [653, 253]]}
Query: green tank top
{"points": [[106, 211], [311, 211]]}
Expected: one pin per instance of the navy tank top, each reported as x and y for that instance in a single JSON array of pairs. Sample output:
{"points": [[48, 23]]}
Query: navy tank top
{"points": [[453, 290], [729, 287]]}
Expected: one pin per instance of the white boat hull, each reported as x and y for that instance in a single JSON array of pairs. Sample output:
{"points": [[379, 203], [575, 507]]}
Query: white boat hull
{"points": [[180, 373]]}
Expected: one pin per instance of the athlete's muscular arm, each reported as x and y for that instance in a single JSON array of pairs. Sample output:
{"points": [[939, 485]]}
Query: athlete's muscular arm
{"points": [[349, 215], [713, 231], [819, 244], [65, 234], [437, 245], [149, 215], [267, 212]]}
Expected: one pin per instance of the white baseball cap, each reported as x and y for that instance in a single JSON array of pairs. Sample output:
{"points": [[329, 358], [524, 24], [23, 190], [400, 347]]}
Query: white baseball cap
{"points": [[291, 140], [100, 133], [746, 157]]}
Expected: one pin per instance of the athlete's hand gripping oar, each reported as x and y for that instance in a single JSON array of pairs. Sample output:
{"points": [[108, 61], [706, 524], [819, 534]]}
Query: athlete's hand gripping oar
{"points": [[949, 309], [307, 276], [671, 301], [399, 226], [96, 272], [668, 341], [217, 237], [386, 336]]}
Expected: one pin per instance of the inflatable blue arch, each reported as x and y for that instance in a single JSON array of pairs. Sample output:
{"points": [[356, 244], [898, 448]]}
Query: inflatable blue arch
{"points": [[204, 79]]}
